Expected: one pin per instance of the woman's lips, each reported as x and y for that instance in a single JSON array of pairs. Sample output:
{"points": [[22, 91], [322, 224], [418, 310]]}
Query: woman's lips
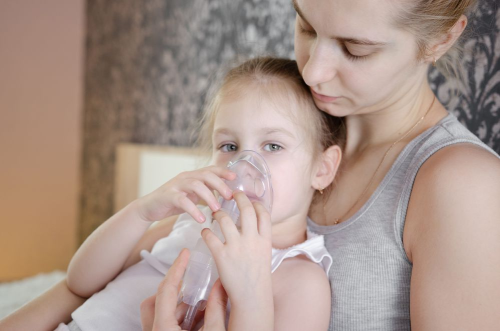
{"points": [[322, 97]]}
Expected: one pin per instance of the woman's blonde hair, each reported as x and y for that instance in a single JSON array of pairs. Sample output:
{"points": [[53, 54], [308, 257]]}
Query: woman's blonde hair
{"points": [[429, 19]]}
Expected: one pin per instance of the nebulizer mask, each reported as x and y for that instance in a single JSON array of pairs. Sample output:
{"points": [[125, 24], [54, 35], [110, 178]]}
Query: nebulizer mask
{"points": [[254, 179]]}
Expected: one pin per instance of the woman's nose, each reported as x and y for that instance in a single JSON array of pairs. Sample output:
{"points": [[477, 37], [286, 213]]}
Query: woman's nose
{"points": [[321, 66]]}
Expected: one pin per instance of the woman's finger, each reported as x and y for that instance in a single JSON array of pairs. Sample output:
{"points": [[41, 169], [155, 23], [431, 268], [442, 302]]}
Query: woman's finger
{"points": [[248, 218], [227, 226], [147, 309], [166, 297], [180, 312], [263, 220], [213, 243], [215, 314]]}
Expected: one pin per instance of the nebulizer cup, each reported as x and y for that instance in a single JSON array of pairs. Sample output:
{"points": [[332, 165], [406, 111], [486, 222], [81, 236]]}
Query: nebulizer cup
{"points": [[254, 179]]}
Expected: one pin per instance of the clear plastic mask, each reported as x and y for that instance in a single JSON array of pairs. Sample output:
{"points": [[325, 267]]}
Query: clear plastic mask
{"points": [[253, 178]]}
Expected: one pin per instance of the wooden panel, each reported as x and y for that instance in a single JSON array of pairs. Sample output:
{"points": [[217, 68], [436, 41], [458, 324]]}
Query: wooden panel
{"points": [[142, 168]]}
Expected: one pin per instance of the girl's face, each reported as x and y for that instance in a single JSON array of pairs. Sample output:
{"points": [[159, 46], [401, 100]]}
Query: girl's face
{"points": [[352, 57], [252, 120]]}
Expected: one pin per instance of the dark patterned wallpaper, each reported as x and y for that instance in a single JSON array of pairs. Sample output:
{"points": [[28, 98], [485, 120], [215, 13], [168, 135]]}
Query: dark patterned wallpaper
{"points": [[150, 63]]}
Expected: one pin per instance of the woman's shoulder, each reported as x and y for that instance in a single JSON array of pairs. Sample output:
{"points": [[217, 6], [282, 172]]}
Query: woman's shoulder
{"points": [[458, 165], [456, 188], [451, 237]]}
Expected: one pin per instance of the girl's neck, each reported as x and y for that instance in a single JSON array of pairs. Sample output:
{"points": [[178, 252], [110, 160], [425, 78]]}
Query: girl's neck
{"points": [[290, 232], [383, 127]]}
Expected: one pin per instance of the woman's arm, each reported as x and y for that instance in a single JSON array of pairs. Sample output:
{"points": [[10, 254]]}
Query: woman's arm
{"points": [[452, 235], [302, 296]]}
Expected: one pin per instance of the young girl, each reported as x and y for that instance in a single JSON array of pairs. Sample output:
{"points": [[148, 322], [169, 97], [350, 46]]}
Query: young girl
{"points": [[264, 106]]}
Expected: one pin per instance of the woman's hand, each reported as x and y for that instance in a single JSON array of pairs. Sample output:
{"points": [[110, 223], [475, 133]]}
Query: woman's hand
{"points": [[183, 192], [244, 264], [161, 313]]}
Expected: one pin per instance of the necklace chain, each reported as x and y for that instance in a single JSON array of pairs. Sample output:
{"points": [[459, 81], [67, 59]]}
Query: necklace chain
{"points": [[338, 220]]}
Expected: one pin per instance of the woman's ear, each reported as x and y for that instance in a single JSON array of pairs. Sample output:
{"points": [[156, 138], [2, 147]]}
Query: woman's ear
{"points": [[443, 44], [327, 167]]}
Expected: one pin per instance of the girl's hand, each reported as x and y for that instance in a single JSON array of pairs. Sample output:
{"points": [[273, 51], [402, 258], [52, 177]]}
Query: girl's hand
{"points": [[244, 260], [184, 191]]}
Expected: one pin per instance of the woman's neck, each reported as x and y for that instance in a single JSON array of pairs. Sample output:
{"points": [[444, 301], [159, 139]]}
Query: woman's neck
{"points": [[385, 126]]}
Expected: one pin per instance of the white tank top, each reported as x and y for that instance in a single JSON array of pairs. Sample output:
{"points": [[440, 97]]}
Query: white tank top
{"points": [[116, 307]]}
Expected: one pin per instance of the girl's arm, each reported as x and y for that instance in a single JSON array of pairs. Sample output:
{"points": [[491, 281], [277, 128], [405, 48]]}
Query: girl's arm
{"points": [[452, 236], [105, 252], [56, 305], [102, 256], [45, 312]]}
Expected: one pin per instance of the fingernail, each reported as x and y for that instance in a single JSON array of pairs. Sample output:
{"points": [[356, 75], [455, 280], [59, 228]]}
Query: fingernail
{"points": [[201, 219]]}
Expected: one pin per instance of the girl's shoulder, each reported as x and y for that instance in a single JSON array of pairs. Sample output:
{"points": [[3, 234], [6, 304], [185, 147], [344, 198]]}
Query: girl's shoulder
{"points": [[301, 288]]}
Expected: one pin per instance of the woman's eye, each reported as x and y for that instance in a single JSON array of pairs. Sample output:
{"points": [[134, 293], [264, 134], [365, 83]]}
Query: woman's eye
{"points": [[309, 33], [272, 147], [228, 148], [351, 56]]}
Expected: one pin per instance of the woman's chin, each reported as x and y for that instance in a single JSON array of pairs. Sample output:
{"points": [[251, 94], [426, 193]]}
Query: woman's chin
{"points": [[333, 109]]}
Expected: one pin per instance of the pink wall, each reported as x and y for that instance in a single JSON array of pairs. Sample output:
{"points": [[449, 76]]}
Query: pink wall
{"points": [[41, 86]]}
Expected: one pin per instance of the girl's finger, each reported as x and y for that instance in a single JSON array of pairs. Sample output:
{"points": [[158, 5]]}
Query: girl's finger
{"points": [[222, 172], [166, 297], [183, 202], [227, 226], [248, 218], [202, 191], [213, 243], [217, 183], [215, 315], [263, 220]]}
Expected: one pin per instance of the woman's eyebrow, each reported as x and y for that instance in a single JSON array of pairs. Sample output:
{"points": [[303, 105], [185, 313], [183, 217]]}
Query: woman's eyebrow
{"points": [[363, 42], [357, 41], [299, 11]]}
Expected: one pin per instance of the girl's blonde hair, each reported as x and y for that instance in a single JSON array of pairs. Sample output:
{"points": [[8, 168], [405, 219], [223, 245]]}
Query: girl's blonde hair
{"points": [[277, 78], [430, 19]]}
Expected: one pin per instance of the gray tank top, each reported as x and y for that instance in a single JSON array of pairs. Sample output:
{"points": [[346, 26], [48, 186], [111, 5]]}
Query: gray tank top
{"points": [[370, 274]]}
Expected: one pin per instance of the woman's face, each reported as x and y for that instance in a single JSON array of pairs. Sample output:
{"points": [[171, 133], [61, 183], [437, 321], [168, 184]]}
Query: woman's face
{"points": [[353, 57]]}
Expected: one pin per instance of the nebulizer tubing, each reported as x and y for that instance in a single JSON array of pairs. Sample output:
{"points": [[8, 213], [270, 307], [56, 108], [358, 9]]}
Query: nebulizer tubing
{"points": [[254, 179]]}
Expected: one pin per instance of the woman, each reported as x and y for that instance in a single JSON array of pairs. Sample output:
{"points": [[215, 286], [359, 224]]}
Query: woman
{"points": [[412, 222]]}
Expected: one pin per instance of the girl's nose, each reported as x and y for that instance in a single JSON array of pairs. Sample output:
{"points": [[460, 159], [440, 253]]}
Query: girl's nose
{"points": [[321, 66]]}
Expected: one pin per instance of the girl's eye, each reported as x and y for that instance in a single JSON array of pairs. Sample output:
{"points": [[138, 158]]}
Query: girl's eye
{"points": [[228, 148], [272, 147], [351, 56]]}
